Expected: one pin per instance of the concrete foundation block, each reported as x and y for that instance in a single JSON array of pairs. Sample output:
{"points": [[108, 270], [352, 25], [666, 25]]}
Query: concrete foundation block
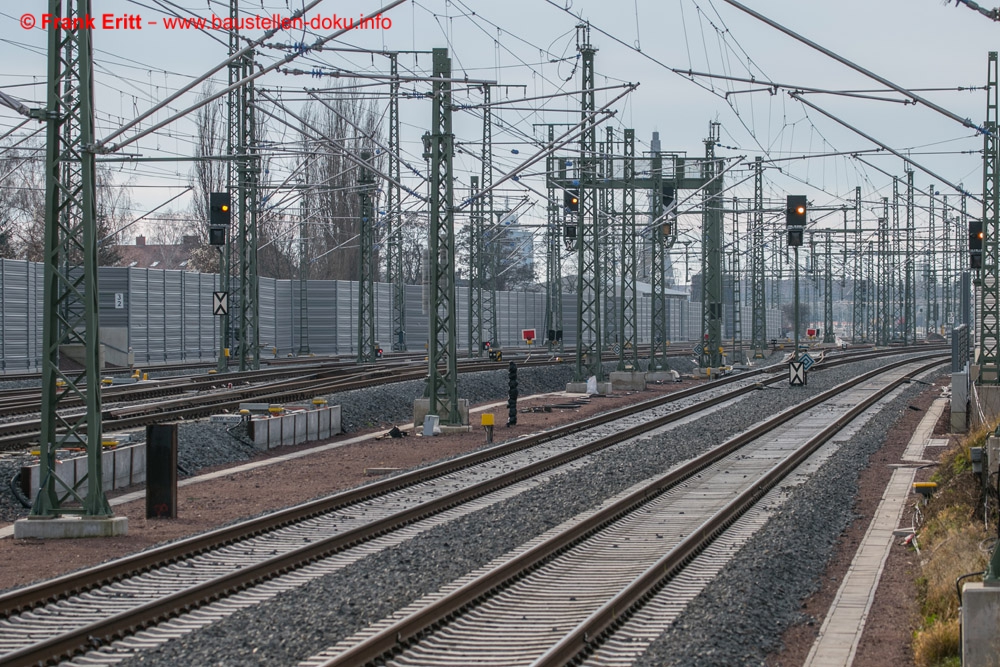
{"points": [[663, 376], [312, 425], [273, 432], [959, 402], [287, 430], [959, 421], [299, 418], [421, 407], [333, 418], [447, 429], [77, 354], [989, 402], [258, 432], [980, 621], [324, 422], [628, 381], [295, 428], [992, 455], [64, 527]]}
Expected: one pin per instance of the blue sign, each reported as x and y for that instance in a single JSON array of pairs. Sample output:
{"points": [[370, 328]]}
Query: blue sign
{"points": [[807, 361]]}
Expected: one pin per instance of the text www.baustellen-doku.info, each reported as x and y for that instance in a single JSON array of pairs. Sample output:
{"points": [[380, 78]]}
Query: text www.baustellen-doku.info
{"points": [[213, 22]]}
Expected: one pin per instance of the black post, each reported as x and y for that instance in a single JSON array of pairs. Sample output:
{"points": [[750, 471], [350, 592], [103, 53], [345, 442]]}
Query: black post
{"points": [[512, 394], [161, 471]]}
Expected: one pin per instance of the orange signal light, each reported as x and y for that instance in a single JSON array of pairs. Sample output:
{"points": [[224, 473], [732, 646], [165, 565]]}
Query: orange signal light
{"points": [[224, 208], [800, 210]]}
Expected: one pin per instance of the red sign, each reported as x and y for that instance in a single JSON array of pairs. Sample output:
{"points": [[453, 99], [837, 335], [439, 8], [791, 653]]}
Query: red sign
{"points": [[810, 332], [528, 334]]}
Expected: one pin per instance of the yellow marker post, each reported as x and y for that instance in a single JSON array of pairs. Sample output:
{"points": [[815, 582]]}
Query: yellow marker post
{"points": [[925, 489], [486, 419]]}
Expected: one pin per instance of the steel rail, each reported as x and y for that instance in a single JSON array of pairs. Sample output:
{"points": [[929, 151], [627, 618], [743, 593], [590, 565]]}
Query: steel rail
{"points": [[32, 596], [137, 618], [408, 630], [16, 434], [602, 622], [43, 592]]}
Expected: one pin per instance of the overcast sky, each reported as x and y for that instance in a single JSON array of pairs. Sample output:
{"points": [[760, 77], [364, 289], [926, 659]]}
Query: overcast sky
{"points": [[530, 46]]}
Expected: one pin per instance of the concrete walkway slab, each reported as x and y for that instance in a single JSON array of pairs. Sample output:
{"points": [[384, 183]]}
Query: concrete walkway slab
{"points": [[840, 634]]}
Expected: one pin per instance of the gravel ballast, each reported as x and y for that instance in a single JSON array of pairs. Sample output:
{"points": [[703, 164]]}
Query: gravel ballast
{"points": [[736, 626], [204, 445]]}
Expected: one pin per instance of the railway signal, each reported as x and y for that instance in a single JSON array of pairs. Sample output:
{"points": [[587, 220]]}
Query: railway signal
{"points": [[975, 244], [795, 218], [218, 217], [571, 200]]}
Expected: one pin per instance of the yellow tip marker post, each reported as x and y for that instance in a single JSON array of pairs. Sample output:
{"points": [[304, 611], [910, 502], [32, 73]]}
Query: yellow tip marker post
{"points": [[486, 419], [925, 489]]}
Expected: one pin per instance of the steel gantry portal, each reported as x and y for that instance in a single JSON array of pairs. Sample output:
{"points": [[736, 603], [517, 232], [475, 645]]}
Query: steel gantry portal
{"points": [[658, 249], [70, 271], [608, 242], [758, 326], [860, 285], [588, 323], [910, 285], [553, 254], [628, 356], [737, 287], [244, 169], [711, 256], [490, 238], [885, 278], [475, 319], [989, 300], [442, 378], [394, 214], [303, 274], [367, 347], [247, 167]]}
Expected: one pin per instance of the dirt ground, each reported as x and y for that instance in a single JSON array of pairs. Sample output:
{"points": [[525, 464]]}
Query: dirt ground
{"points": [[221, 501], [217, 502], [894, 613]]}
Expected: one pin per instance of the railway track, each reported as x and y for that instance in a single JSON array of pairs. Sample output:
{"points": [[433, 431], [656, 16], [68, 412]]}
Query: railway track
{"points": [[191, 397], [416, 496], [558, 602], [210, 395]]}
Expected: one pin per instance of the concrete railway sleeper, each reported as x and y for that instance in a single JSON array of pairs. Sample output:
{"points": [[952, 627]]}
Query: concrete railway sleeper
{"points": [[137, 616], [598, 586]]}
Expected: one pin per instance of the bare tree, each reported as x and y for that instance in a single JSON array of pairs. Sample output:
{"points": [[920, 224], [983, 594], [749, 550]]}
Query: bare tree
{"points": [[332, 181], [114, 213], [22, 202], [22, 207], [208, 175]]}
